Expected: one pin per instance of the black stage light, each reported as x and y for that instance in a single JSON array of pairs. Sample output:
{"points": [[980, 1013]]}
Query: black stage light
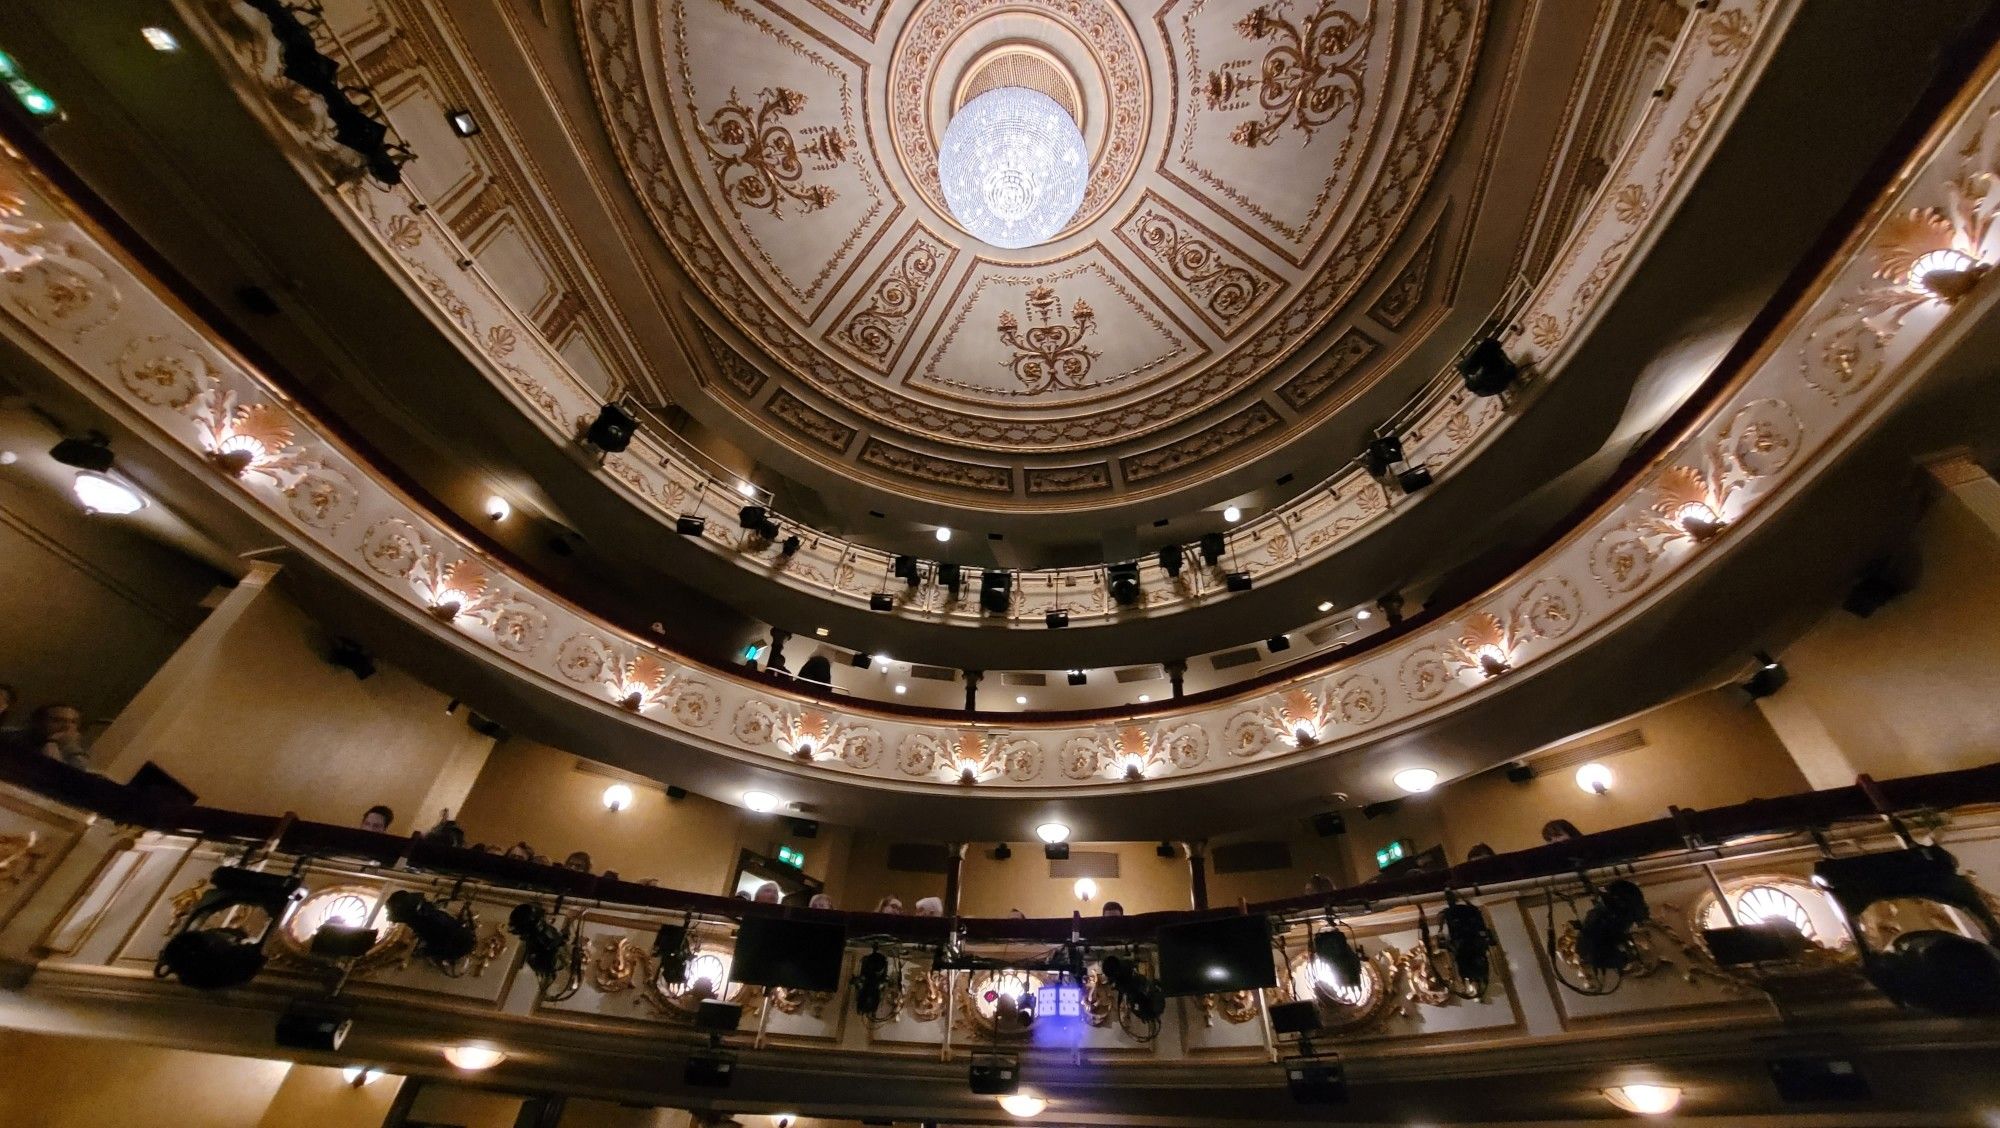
{"points": [[1316, 1081], [1769, 677], [1056, 619], [1212, 547], [709, 1071], [1237, 581], [462, 122], [752, 516], [1329, 823], [881, 601], [995, 1074], [1139, 992], [690, 525], [543, 947], [1295, 1018], [996, 591], [1277, 643], [1002, 852], [860, 659], [443, 937], [817, 669], [1341, 955], [1383, 452], [1470, 942], [1604, 939], [1487, 370], [1056, 851], [905, 569], [1078, 677], [790, 545], [1164, 850], [338, 940], [1171, 558], [1414, 479], [671, 949], [91, 452], [314, 1025], [871, 979], [613, 429], [212, 958], [1930, 969], [1762, 941], [1520, 773], [952, 577], [1124, 583], [350, 656], [716, 1017]]}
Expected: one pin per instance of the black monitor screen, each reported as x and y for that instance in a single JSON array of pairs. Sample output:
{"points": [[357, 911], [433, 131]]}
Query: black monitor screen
{"points": [[802, 955], [1209, 956]]}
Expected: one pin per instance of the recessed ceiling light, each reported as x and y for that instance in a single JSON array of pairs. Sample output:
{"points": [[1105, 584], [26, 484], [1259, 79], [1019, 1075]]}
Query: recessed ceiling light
{"points": [[1020, 700], [1023, 1104], [762, 802], [462, 122], [1052, 832], [497, 508], [943, 534], [746, 489], [820, 631], [617, 797], [1416, 781], [160, 39], [1646, 1100], [359, 1075], [1145, 697], [1232, 514], [1364, 614], [473, 1056], [901, 689], [1325, 606], [100, 493]]}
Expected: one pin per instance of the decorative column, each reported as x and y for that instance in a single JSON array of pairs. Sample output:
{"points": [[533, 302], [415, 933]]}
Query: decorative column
{"points": [[972, 689], [1197, 856], [777, 659], [1176, 674], [953, 868]]}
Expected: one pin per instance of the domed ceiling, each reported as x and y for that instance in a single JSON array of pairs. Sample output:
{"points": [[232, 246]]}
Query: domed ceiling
{"points": [[1251, 165]]}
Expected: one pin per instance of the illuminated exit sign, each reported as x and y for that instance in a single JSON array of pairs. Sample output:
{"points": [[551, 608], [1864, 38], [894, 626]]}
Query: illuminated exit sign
{"points": [[793, 858], [1392, 853]]}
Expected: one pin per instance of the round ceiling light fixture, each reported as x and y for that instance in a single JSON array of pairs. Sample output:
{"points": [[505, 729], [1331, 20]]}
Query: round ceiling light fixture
{"points": [[617, 797], [473, 1056], [101, 493], [1023, 1104], [1646, 1100], [1013, 166], [1416, 781], [762, 802], [1052, 832]]}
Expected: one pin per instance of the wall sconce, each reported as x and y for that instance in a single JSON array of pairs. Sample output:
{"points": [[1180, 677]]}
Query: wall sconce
{"points": [[1085, 889], [968, 771], [1594, 778], [448, 605], [497, 508], [359, 1075], [1493, 661], [632, 701], [1701, 522], [1646, 1100], [1304, 735], [803, 750], [1946, 274], [617, 797]]}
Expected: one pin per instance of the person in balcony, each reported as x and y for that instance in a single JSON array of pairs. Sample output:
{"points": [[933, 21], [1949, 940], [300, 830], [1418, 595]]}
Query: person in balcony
{"points": [[1560, 830], [55, 731], [1318, 885], [447, 832], [578, 861], [930, 906], [377, 818], [890, 905], [1479, 850], [768, 894], [1113, 909], [820, 901], [521, 851]]}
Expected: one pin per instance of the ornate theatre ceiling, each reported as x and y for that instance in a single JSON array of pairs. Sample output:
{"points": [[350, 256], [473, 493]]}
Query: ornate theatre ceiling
{"points": [[1252, 166]]}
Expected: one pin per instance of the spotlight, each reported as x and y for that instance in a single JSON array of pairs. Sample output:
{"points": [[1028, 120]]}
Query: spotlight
{"points": [[1930, 969], [871, 978], [1232, 514], [211, 958], [1164, 850], [671, 950], [905, 569], [613, 429], [462, 122], [996, 591], [1383, 452], [1140, 993], [1414, 479], [881, 601], [1237, 581], [1171, 558], [443, 937], [1078, 677], [1604, 939], [1769, 677], [1212, 547], [1002, 852], [1123, 580], [101, 493], [690, 525], [790, 546], [1487, 370], [1277, 643], [992, 1075], [752, 517], [1341, 956], [544, 948], [1057, 619], [91, 452], [1469, 940]]}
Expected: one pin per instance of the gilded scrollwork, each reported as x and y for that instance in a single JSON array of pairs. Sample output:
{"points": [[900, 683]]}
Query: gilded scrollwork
{"points": [[1224, 290], [1131, 752], [1309, 78], [617, 964], [970, 758], [806, 735], [1294, 719], [1050, 352], [20, 856], [758, 159]]}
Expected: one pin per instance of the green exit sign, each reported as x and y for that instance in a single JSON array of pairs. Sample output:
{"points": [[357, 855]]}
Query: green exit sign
{"points": [[1392, 853], [793, 858], [33, 98]]}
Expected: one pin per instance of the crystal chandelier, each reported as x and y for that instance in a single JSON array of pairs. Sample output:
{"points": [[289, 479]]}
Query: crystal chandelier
{"points": [[1013, 167]]}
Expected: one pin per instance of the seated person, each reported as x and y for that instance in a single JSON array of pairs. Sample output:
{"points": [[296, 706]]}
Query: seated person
{"points": [[377, 818], [1560, 830], [447, 832], [768, 894], [1479, 850], [521, 851], [930, 906], [1113, 909], [55, 731], [578, 861], [892, 905], [820, 901]]}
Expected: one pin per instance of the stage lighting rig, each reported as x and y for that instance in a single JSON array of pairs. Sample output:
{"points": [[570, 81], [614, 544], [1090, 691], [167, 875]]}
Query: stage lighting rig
{"points": [[443, 937], [1931, 969], [227, 956], [1468, 941], [1336, 949], [1138, 993], [548, 949], [1604, 944], [871, 984]]}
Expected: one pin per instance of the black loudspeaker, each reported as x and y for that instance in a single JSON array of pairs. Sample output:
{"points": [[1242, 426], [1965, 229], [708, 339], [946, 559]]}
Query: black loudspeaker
{"points": [[714, 1017], [752, 516], [995, 1074], [1171, 558], [1237, 581], [689, 525], [861, 659], [1277, 643], [613, 429], [1124, 583], [805, 828], [1414, 479], [710, 1071], [1383, 453], [996, 590], [674, 792], [1295, 1018], [1057, 619], [1385, 807], [1818, 1079], [1519, 773], [1329, 823], [881, 601], [1212, 547], [1487, 370], [314, 1026], [1316, 1082], [1056, 851]]}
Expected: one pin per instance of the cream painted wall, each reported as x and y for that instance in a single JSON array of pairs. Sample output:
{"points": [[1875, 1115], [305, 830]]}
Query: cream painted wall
{"points": [[1707, 750], [92, 610], [268, 725], [534, 793], [1915, 687]]}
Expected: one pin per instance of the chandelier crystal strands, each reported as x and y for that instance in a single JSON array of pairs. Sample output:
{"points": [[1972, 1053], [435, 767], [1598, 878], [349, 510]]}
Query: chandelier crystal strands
{"points": [[1013, 167]]}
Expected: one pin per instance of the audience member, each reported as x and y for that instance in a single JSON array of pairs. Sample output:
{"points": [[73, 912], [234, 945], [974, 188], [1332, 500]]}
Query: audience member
{"points": [[1318, 884], [768, 894], [1479, 850], [578, 861], [55, 731], [377, 818], [521, 851], [1113, 908], [820, 901], [1560, 830], [542, 860], [447, 832], [1017, 914], [742, 896], [930, 906], [891, 904]]}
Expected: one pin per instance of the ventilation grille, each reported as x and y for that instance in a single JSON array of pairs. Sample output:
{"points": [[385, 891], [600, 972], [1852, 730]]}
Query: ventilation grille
{"points": [[1131, 674], [1601, 748], [1082, 863], [919, 857], [1250, 857], [1017, 677], [1228, 658], [1021, 68], [934, 673]]}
